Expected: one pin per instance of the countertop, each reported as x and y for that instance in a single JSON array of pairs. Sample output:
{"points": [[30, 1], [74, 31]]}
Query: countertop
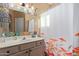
{"points": [[19, 40]]}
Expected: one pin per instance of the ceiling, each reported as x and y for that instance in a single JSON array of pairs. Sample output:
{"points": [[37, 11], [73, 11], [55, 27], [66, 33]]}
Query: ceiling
{"points": [[42, 7], [39, 7]]}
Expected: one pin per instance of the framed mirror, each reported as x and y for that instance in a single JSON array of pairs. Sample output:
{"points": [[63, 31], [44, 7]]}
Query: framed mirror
{"points": [[15, 21]]}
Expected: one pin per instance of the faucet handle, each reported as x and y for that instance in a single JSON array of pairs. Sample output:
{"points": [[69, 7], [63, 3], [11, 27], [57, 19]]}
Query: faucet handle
{"points": [[3, 34], [24, 38]]}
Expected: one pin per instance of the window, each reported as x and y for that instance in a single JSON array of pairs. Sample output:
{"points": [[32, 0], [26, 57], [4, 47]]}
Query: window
{"points": [[48, 20]]}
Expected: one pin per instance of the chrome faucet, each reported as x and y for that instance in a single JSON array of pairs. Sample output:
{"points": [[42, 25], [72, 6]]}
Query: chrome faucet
{"points": [[3, 35]]}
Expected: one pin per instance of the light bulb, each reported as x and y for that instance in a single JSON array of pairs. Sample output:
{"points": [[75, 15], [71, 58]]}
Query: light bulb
{"points": [[11, 5], [20, 3], [32, 8], [27, 6]]}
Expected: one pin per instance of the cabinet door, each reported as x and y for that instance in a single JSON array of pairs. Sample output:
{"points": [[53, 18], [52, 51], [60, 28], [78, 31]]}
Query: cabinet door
{"points": [[9, 50], [22, 53], [27, 46], [38, 51]]}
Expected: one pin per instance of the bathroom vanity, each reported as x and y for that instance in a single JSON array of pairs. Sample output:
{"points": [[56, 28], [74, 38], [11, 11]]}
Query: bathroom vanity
{"points": [[15, 26], [23, 46]]}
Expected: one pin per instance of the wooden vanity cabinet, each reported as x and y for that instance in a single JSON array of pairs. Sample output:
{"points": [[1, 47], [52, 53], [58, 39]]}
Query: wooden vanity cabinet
{"points": [[35, 48]]}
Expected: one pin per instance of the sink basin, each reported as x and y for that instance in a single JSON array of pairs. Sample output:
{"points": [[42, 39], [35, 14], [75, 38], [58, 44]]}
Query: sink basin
{"points": [[11, 41], [1, 40], [8, 39]]}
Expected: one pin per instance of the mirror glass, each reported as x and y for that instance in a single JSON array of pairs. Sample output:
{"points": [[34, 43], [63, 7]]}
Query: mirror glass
{"points": [[4, 19], [31, 25], [19, 24], [12, 21]]}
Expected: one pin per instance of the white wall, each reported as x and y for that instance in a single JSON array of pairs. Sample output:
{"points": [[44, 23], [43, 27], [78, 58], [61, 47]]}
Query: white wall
{"points": [[61, 23], [76, 24]]}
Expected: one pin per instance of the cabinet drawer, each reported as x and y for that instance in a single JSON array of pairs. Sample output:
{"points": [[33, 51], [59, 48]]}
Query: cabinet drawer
{"points": [[38, 51], [22, 53], [9, 50], [40, 42], [27, 45]]}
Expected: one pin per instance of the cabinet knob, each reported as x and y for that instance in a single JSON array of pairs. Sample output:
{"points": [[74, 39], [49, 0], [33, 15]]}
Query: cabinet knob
{"points": [[40, 42], [8, 51], [26, 52], [30, 50]]}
